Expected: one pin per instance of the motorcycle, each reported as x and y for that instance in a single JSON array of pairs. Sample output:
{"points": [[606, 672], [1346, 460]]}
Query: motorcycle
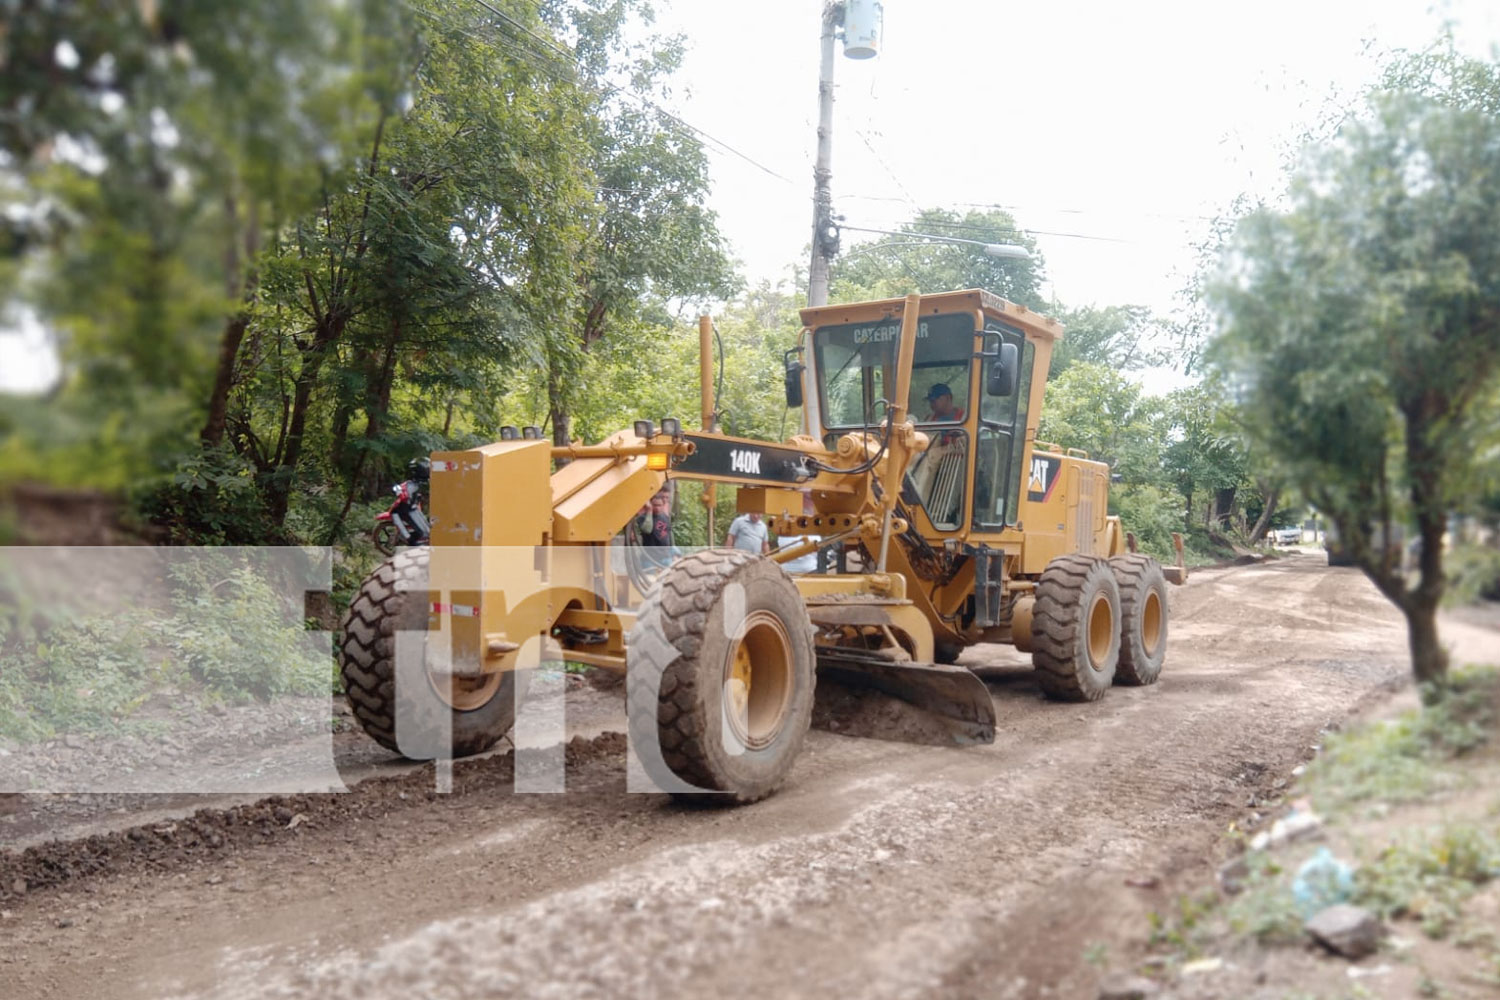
{"points": [[404, 523]]}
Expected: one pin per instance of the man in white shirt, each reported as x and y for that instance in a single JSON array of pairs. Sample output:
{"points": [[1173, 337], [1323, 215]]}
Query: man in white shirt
{"points": [[806, 563], [748, 534]]}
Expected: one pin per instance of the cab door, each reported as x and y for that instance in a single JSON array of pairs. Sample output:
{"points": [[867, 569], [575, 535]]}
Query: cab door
{"points": [[1001, 443]]}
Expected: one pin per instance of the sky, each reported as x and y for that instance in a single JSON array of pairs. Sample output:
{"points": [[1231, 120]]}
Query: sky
{"points": [[1113, 132]]}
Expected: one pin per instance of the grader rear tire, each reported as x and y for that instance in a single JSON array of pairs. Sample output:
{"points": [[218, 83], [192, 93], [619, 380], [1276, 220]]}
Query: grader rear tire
{"points": [[473, 715], [1143, 619], [721, 677], [1074, 628]]}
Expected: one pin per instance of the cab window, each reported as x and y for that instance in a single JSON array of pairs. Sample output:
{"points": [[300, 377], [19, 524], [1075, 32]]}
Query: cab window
{"points": [[857, 368]]}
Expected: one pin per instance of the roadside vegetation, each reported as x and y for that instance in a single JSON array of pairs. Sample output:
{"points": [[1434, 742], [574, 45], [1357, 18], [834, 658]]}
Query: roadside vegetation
{"points": [[215, 628], [1405, 806]]}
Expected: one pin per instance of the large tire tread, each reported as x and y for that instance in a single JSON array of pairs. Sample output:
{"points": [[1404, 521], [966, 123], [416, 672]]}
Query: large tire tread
{"points": [[367, 665], [1057, 619], [681, 605], [1137, 576]]}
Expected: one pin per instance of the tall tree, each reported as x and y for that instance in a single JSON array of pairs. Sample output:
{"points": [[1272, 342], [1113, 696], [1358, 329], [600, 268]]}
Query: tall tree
{"points": [[446, 252], [1123, 337], [651, 239], [893, 266], [1361, 319]]}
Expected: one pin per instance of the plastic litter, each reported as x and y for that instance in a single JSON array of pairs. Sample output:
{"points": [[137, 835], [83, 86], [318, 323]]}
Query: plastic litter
{"points": [[1322, 881]]}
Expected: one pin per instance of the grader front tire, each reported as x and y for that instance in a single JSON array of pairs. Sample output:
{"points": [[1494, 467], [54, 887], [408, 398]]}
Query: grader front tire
{"points": [[1143, 619], [1075, 628], [722, 651], [440, 716]]}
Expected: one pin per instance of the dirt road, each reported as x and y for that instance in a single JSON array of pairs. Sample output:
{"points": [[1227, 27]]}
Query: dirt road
{"points": [[1020, 869]]}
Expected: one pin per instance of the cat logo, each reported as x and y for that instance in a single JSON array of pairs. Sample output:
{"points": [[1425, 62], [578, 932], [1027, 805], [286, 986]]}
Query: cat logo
{"points": [[745, 461], [1038, 481], [1043, 477]]}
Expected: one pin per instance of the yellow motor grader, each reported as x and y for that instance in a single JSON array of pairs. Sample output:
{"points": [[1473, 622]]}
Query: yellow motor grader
{"points": [[942, 521]]}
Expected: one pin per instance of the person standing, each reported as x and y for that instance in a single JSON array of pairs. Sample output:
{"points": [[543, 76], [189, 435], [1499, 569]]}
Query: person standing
{"points": [[807, 563], [654, 528], [748, 533]]}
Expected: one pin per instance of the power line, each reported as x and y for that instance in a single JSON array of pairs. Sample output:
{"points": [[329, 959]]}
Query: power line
{"points": [[1018, 231], [1032, 208], [864, 137], [549, 43]]}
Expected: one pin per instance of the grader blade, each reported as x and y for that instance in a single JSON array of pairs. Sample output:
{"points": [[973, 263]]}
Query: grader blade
{"points": [[934, 704]]}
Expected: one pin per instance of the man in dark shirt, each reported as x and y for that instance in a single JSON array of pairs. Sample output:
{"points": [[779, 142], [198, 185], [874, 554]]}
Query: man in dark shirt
{"points": [[940, 400], [654, 522]]}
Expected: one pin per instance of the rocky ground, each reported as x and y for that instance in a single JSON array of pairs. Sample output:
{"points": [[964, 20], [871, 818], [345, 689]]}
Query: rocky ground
{"points": [[1028, 868]]}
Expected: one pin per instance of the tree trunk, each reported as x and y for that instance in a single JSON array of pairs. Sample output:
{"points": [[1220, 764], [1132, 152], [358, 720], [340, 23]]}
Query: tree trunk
{"points": [[1223, 506], [1264, 521], [1429, 660], [342, 414], [218, 400], [327, 335], [245, 289], [557, 410]]}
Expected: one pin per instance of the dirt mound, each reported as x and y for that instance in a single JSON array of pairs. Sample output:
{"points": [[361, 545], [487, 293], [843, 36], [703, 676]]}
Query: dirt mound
{"points": [[212, 834], [46, 515]]}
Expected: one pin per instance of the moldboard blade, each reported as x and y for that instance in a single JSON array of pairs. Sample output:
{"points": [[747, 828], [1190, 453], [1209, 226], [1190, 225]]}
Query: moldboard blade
{"points": [[942, 704]]}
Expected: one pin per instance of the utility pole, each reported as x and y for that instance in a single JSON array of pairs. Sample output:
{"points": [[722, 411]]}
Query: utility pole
{"points": [[860, 20], [824, 236]]}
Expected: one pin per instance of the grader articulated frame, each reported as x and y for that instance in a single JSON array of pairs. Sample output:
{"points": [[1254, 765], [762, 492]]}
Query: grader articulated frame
{"points": [[946, 528]]}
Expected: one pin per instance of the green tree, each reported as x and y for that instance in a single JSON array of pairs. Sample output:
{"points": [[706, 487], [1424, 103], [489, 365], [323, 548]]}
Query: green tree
{"points": [[1094, 407], [651, 239], [1361, 319], [1122, 337], [893, 266], [1206, 455]]}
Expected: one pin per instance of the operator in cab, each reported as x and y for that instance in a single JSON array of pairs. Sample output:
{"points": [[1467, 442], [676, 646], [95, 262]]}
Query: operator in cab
{"points": [[940, 401]]}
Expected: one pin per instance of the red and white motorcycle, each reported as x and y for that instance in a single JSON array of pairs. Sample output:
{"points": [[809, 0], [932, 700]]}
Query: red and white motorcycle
{"points": [[404, 523]]}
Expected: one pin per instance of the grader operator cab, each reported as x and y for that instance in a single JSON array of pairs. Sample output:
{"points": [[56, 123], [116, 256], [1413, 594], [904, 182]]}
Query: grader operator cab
{"points": [[946, 523]]}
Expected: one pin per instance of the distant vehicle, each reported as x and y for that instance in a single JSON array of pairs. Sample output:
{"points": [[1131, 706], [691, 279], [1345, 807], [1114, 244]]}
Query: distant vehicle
{"points": [[1286, 536]]}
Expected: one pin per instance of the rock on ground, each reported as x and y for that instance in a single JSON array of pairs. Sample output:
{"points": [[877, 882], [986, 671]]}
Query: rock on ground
{"points": [[1351, 931]]}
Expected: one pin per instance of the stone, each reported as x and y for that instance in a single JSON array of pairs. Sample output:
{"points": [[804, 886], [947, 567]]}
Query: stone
{"points": [[1123, 987], [1350, 931], [1299, 825], [1232, 875], [18, 886]]}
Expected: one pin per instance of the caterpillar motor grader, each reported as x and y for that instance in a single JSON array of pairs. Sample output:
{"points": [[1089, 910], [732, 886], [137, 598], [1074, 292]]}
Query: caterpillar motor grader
{"points": [[949, 525]]}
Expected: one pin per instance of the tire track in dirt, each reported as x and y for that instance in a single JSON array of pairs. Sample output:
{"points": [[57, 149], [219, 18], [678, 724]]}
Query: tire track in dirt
{"points": [[881, 870]]}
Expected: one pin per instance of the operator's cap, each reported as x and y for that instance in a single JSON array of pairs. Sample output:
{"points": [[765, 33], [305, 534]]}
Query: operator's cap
{"points": [[938, 389]]}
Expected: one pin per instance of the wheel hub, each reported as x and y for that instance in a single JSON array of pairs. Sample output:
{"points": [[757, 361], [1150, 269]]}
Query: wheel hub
{"points": [[1101, 630], [758, 680]]}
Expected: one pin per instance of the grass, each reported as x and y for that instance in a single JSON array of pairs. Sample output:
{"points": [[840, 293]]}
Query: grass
{"points": [[1427, 875], [224, 633], [1402, 759], [1424, 874]]}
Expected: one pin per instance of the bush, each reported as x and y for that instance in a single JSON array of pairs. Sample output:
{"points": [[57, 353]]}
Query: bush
{"points": [[1427, 877], [236, 636], [226, 629], [1473, 574], [1152, 514], [1395, 760], [209, 497]]}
